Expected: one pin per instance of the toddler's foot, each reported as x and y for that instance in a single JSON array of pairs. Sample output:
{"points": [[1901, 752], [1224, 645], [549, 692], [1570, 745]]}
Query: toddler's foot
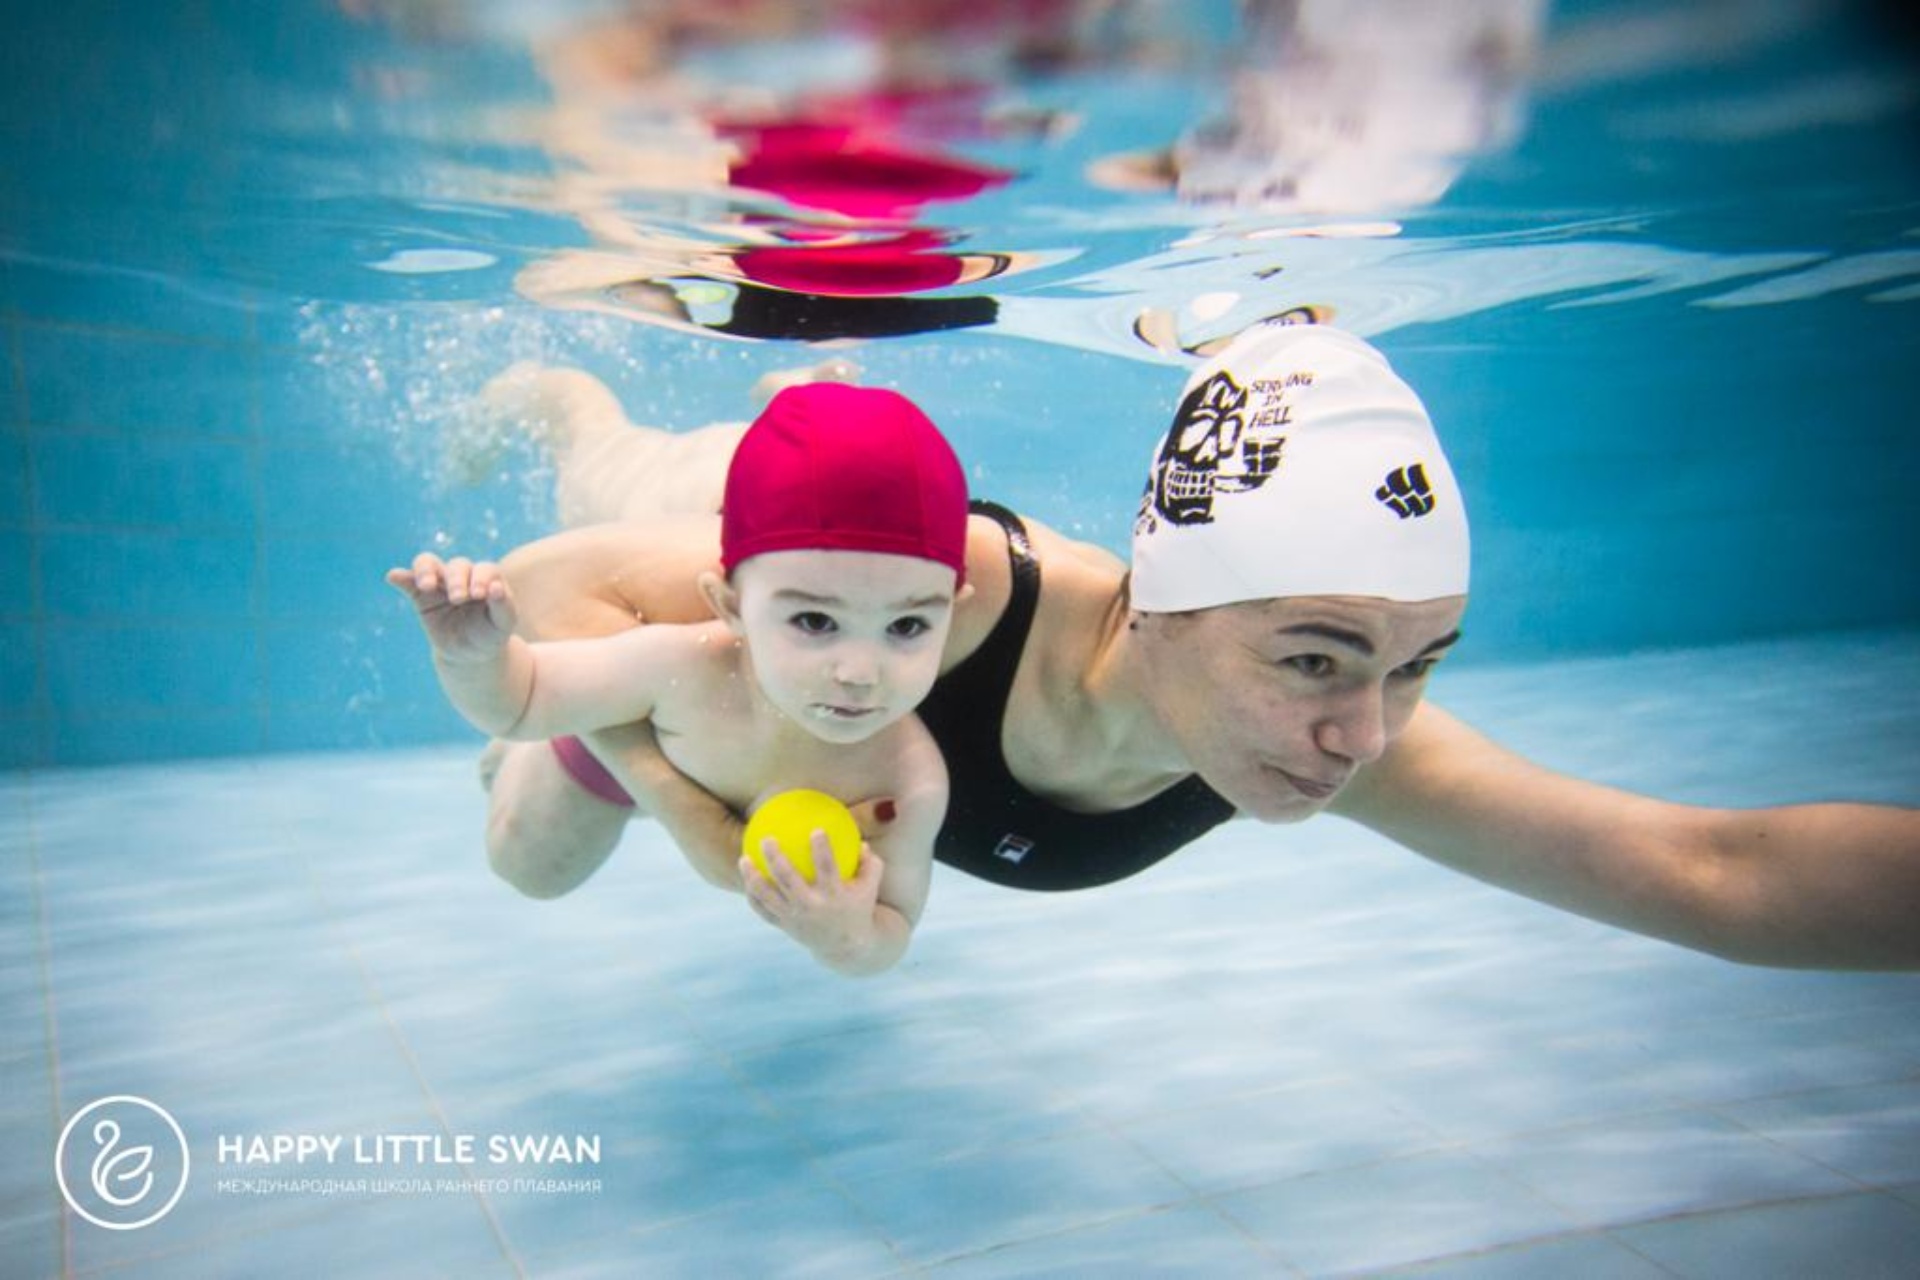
{"points": [[835, 369], [547, 405]]}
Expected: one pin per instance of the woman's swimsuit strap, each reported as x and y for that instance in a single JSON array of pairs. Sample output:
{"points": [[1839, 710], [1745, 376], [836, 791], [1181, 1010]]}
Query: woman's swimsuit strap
{"points": [[998, 830]]}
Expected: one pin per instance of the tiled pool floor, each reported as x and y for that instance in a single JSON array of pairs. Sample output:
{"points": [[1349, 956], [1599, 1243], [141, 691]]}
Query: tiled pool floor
{"points": [[1289, 1052]]}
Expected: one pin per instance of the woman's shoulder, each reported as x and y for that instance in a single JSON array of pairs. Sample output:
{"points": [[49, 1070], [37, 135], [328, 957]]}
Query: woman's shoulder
{"points": [[1077, 579], [601, 578], [590, 547]]}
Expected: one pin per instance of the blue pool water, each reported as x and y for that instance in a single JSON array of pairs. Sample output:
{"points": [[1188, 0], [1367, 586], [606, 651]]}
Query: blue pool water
{"points": [[254, 262]]}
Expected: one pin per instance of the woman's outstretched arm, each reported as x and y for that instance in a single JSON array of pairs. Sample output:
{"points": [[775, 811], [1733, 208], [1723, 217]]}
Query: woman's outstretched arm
{"points": [[1833, 886]]}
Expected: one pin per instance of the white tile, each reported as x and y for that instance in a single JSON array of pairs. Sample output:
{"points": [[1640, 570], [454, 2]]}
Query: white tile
{"points": [[1281, 1134], [1538, 1087], [1013, 1194], [379, 1236], [1651, 1166], [817, 1234], [926, 1090], [1585, 1257], [1174, 1244], [1761, 1057], [30, 1236], [1871, 1132], [1393, 1213], [1860, 1237]]}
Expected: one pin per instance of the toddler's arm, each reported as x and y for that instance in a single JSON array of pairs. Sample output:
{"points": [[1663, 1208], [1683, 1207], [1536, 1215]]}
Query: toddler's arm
{"points": [[512, 689]]}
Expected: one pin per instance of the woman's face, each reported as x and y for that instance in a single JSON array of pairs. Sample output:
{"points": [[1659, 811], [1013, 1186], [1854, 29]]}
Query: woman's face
{"points": [[1277, 703]]}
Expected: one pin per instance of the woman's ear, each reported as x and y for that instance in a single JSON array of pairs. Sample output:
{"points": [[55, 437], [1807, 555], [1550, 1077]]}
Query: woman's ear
{"points": [[722, 598]]}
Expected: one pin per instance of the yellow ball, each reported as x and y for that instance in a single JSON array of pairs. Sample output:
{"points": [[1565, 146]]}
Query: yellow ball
{"points": [[790, 819]]}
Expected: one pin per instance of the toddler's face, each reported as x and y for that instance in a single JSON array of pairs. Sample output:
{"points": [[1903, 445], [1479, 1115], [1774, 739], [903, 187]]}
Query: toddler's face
{"points": [[844, 642]]}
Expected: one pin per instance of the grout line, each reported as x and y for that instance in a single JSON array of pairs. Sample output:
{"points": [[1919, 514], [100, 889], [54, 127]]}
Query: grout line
{"points": [[1196, 1198], [1127, 1215], [815, 1159], [1090, 1122], [94, 430], [49, 1011], [332, 921], [1399, 1269], [110, 529], [1608, 1235], [1787, 1150], [121, 332], [258, 618], [42, 709], [1726, 1210], [158, 337]]}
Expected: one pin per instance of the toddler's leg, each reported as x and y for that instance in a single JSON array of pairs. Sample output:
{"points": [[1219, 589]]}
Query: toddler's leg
{"points": [[606, 475], [646, 473], [545, 834], [607, 468]]}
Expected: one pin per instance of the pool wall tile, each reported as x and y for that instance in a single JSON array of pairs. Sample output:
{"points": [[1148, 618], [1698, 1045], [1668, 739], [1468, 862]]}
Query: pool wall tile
{"points": [[133, 384], [163, 483]]}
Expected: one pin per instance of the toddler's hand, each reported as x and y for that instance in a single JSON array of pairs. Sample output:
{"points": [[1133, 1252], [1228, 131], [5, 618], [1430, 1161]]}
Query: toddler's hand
{"points": [[833, 918], [465, 607]]}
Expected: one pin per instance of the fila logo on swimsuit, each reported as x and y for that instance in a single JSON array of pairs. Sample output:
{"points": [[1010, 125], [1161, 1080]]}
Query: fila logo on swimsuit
{"points": [[1406, 492], [1013, 848]]}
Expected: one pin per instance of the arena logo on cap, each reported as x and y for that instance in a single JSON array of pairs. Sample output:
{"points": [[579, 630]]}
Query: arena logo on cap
{"points": [[1407, 492], [122, 1162], [1225, 439]]}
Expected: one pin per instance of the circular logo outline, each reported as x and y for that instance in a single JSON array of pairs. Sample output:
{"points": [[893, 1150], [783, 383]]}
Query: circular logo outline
{"points": [[60, 1161]]}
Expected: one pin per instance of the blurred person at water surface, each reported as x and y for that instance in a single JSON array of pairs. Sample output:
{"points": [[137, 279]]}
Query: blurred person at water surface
{"points": [[1349, 107], [1299, 565], [1346, 109]]}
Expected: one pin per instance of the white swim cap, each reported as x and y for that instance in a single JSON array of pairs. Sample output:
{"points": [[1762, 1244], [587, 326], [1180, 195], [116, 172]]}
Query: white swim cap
{"points": [[1298, 464]]}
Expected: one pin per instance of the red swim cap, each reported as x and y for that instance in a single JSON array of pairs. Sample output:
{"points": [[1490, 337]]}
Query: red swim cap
{"points": [[829, 467]]}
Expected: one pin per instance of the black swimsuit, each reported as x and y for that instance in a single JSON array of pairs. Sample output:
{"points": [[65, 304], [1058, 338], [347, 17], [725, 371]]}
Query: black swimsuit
{"points": [[998, 830]]}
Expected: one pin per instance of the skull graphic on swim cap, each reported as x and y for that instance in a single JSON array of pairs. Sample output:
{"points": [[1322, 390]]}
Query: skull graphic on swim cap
{"points": [[1214, 447]]}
